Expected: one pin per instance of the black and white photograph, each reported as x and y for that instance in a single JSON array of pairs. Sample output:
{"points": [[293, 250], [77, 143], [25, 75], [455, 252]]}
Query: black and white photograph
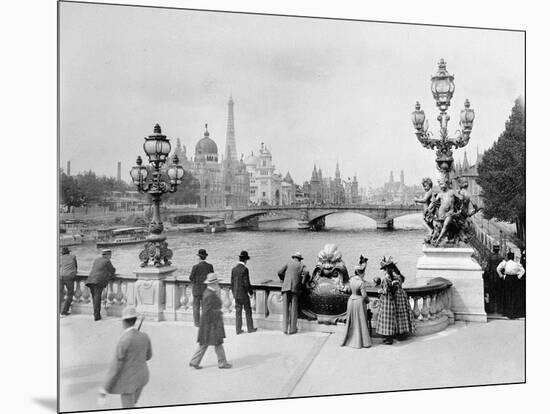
{"points": [[260, 206], [359, 197]]}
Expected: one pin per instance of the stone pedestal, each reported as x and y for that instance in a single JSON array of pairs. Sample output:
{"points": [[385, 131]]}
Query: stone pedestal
{"points": [[150, 291], [457, 265]]}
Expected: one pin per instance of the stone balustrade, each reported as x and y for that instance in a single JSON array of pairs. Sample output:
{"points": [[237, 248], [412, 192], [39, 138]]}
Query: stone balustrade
{"points": [[430, 302]]}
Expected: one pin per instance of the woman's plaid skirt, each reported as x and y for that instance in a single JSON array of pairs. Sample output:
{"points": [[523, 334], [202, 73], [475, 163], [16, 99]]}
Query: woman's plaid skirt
{"points": [[395, 317]]}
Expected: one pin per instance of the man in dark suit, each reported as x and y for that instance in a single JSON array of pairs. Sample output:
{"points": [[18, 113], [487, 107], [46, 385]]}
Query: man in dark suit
{"points": [[240, 285], [102, 272], [197, 278], [211, 330], [293, 274], [128, 373]]}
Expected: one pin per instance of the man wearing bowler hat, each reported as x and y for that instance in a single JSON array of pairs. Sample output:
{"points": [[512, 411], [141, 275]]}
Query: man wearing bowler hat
{"points": [[293, 274], [211, 330], [197, 278], [241, 288], [102, 272], [128, 373]]}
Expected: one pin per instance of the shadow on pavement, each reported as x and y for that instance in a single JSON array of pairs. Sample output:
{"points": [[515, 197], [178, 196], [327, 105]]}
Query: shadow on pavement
{"points": [[49, 403]]}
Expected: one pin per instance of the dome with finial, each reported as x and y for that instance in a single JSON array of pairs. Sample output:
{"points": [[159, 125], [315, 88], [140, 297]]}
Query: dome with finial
{"points": [[206, 149], [251, 160]]}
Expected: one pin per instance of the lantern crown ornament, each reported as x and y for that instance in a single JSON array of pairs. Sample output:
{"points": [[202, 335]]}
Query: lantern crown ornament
{"points": [[443, 86]]}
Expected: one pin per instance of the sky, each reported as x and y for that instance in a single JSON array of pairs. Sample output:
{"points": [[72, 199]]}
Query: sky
{"points": [[313, 90]]}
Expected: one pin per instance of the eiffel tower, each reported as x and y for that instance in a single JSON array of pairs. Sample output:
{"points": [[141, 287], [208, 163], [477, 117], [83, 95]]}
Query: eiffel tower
{"points": [[230, 145]]}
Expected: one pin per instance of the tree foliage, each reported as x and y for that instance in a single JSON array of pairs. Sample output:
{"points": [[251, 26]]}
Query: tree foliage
{"points": [[502, 173], [87, 188]]}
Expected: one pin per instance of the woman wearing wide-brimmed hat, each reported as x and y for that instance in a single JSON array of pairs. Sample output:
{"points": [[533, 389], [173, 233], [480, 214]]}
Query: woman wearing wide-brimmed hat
{"points": [[395, 315]]}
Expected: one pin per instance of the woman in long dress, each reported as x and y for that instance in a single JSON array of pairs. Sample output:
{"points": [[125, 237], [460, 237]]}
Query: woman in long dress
{"points": [[357, 331], [395, 316]]}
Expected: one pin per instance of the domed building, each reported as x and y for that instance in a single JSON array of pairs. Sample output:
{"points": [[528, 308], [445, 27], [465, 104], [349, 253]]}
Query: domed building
{"points": [[207, 170], [222, 183], [206, 150]]}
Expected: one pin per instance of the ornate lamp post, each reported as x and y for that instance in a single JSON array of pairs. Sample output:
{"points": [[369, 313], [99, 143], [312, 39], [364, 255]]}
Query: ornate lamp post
{"points": [[443, 88], [156, 180]]}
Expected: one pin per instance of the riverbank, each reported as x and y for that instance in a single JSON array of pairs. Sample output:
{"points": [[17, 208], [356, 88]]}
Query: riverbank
{"points": [[268, 364]]}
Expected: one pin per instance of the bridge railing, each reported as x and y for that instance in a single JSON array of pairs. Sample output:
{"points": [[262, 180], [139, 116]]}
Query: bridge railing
{"points": [[430, 303]]}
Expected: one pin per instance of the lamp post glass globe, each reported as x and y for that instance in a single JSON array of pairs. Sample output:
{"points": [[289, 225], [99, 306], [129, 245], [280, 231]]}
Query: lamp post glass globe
{"points": [[467, 115], [175, 171], [138, 172], [443, 86], [418, 117], [156, 146]]}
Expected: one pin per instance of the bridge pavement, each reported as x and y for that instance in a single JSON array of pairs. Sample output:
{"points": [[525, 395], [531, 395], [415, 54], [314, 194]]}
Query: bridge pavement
{"points": [[268, 364]]}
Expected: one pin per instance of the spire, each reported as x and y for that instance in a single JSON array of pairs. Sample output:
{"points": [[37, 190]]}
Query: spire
{"points": [[337, 173], [230, 144], [391, 176], [402, 178], [465, 164]]}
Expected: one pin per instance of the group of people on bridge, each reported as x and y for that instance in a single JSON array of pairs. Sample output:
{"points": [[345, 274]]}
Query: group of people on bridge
{"points": [[128, 373]]}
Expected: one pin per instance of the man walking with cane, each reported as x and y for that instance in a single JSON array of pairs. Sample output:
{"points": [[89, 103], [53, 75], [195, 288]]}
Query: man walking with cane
{"points": [[102, 272], [293, 274], [211, 330], [128, 373]]}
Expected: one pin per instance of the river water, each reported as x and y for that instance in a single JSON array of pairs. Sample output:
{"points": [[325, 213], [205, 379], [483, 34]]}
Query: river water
{"points": [[272, 245]]}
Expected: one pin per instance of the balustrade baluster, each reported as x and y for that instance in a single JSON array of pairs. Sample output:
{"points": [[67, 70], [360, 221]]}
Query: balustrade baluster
{"points": [[431, 309], [226, 300], [86, 294], [439, 303], [233, 304], [184, 299], [123, 292], [416, 309], [253, 302], [110, 293], [118, 295], [190, 297], [77, 292], [425, 313]]}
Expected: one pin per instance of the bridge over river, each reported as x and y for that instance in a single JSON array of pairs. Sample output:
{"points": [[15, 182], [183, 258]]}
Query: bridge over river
{"points": [[309, 217]]}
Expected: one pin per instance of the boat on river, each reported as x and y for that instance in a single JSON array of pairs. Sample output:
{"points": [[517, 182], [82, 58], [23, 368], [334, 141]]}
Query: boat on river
{"points": [[215, 226], [116, 236]]}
